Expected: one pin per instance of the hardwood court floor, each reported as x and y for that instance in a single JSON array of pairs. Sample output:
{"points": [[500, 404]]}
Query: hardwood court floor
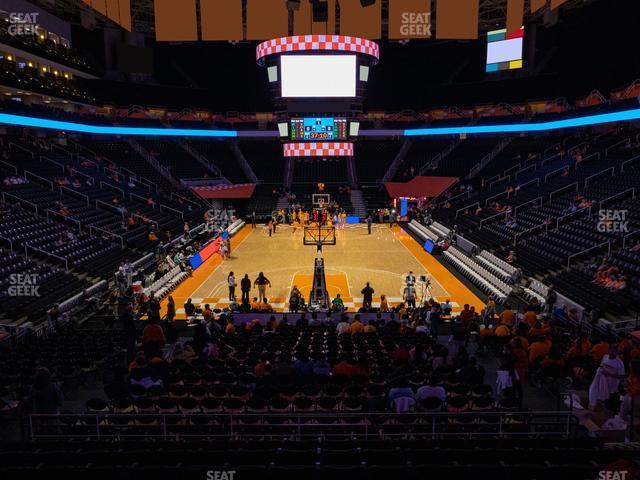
{"points": [[382, 258]]}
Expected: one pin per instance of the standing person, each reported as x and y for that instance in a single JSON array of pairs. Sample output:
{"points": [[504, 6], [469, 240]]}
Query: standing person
{"points": [[262, 283], [409, 295], [608, 377], [275, 223], [185, 229], [343, 219], [271, 227], [129, 329], [227, 243], [369, 222], [367, 296], [550, 300], [45, 397], [231, 283], [392, 218], [245, 288], [253, 219], [169, 327], [434, 320], [224, 251], [171, 309]]}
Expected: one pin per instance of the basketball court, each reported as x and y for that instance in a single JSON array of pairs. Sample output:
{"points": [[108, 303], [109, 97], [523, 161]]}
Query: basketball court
{"points": [[383, 258]]}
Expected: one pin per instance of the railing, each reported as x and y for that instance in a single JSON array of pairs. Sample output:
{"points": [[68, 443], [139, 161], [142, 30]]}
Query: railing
{"points": [[173, 194], [588, 157], [618, 195], [148, 182], [48, 254], [20, 147], [39, 178], [112, 187], [112, 235], [587, 250], [75, 172], [148, 220], [550, 159], [624, 239], [492, 217], [533, 167], [299, 426], [529, 182], [5, 194], [599, 174], [563, 189], [465, 208], [66, 219], [73, 301], [172, 209], [529, 230], [498, 195], [572, 214], [141, 199], [42, 157], [515, 211], [13, 167], [610, 147], [112, 207], [511, 170], [139, 182], [491, 179], [499, 180], [7, 240], [554, 172], [74, 192], [624, 164], [460, 195]]}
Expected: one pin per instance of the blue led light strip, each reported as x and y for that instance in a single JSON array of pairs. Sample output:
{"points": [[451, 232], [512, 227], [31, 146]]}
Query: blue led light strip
{"points": [[601, 118], [23, 121], [626, 115]]}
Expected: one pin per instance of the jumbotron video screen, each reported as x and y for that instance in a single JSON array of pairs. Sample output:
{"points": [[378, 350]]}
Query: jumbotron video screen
{"points": [[326, 128]]}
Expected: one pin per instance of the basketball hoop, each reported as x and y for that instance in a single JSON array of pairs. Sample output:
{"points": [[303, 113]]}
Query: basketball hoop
{"points": [[321, 202]]}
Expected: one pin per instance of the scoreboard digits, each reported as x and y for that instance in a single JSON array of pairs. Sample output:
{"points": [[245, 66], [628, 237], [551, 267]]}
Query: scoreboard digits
{"points": [[312, 129]]}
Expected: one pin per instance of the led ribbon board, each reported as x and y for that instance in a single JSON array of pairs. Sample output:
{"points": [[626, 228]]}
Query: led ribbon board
{"points": [[22, 121], [318, 149], [308, 43], [599, 119], [583, 121]]}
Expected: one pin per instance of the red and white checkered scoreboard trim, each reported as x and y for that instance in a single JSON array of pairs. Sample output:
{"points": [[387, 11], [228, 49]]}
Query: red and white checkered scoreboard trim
{"points": [[301, 43], [319, 149]]}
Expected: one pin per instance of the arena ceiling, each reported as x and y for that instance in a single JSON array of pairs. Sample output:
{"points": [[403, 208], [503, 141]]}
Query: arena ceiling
{"points": [[493, 13]]}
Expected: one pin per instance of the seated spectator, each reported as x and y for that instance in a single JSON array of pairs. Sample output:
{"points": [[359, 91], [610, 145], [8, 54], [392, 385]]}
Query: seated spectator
{"points": [[433, 388]]}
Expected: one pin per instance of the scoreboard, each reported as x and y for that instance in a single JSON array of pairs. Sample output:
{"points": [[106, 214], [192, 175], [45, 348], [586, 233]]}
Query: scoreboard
{"points": [[312, 129]]}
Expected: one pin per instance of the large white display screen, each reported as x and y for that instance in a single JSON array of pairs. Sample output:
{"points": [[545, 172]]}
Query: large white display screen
{"points": [[504, 51], [318, 75]]}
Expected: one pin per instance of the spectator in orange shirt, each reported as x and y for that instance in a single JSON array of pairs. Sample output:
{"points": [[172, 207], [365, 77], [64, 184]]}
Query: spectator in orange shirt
{"points": [[153, 339], [530, 317], [507, 317], [599, 350], [580, 347], [345, 367], [539, 349], [521, 360], [230, 328], [357, 326]]}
